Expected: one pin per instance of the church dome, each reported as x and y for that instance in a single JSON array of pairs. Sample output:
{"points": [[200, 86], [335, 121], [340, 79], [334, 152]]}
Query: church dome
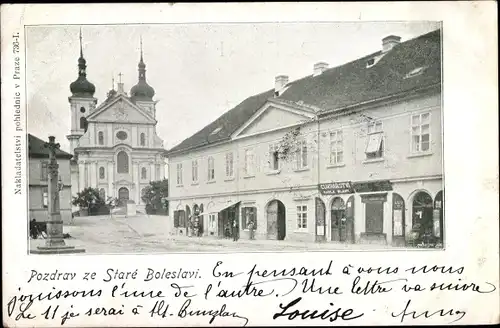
{"points": [[142, 91], [82, 87]]}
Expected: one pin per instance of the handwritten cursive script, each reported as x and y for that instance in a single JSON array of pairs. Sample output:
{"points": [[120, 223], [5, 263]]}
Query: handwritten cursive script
{"points": [[411, 314], [328, 314]]}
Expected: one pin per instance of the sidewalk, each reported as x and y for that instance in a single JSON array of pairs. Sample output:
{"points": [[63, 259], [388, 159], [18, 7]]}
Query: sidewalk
{"points": [[275, 244]]}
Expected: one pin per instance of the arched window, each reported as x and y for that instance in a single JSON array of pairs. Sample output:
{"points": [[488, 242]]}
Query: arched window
{"points": [[143, 139], [101, 172], [144, 173], [102, 193], [100, 136], [83, 123], [122, 162]]}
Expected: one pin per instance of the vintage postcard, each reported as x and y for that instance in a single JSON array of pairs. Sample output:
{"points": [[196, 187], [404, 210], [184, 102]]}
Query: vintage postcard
{"points": [[250, 164]]}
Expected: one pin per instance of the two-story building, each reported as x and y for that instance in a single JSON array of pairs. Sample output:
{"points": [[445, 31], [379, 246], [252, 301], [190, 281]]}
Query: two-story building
{"points": [[347, 154], [38, 198]]}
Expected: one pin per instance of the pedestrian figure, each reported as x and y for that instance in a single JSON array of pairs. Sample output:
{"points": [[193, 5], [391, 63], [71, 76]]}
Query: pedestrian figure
{"points": [[34, 229], [251, 227], [235, 230], [227, 231]]}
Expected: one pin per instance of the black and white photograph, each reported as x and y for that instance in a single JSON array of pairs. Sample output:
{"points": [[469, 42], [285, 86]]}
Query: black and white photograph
{"points": [[249, 164], [236, 137]]}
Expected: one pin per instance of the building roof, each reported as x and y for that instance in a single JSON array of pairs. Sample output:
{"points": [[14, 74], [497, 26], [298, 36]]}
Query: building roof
{"points": [[36, 149], [345, 85]]}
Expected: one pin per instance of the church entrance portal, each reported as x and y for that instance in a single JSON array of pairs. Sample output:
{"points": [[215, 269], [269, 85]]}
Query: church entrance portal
{"points": [[123, 195]]}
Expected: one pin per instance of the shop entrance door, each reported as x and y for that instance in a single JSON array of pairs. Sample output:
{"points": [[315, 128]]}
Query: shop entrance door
{"points": [[338, 220]]}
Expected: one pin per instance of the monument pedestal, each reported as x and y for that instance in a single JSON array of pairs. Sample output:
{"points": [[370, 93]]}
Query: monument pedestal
{"points": [[57, 250], [55, 242], [131, 209]]}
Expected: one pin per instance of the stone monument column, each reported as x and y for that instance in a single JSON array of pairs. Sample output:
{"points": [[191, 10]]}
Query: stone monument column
{"points": [[54, 244]]}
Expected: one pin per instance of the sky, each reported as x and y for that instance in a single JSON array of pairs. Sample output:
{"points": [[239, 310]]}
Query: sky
{"points": [[198, 71]]}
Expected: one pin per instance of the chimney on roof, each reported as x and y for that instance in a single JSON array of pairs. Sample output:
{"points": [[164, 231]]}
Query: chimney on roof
{"points": [[389, 42], [279, 83], [319, 68]]}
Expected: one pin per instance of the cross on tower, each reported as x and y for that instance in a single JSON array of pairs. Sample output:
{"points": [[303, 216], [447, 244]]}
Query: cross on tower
{"points": [[120, 77]]}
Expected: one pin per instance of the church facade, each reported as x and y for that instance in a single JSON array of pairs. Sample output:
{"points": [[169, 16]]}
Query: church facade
{"points": [[115, 145]]}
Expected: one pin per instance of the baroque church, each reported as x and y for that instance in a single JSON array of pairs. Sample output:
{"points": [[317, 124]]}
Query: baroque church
{"points": [[115, 145]]}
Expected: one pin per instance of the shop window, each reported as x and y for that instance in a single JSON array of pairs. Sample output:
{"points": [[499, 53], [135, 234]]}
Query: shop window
{"points": [[336, 147], [248, 214], [179, 174], [398, 215], [375, 141], [420, 132], [302, 217], [438, 216], [422, 215]]}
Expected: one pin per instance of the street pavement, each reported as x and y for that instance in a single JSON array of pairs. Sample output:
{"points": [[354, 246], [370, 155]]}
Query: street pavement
{"points": [[149, 234]]}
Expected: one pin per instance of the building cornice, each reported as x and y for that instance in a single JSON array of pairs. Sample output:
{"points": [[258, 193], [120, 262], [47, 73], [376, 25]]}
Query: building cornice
{"points": [[299, 188]]}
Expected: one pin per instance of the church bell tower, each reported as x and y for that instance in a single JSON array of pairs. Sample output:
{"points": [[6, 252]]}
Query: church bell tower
{"points": [[82, 102], [142, 93]]}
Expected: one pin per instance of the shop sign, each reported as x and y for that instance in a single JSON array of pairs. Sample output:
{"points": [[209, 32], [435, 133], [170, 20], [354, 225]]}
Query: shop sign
{"points": [[335, 188], [372, 186]]}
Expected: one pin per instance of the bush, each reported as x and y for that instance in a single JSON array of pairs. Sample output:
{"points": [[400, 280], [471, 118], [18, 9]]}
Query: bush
{"points": [[101, 209], [155, 196]]}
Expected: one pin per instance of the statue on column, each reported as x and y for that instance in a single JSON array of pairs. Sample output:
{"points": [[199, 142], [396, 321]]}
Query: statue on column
{"points": [[54, 243]]}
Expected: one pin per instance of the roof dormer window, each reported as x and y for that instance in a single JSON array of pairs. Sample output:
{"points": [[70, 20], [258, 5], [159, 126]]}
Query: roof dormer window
{"points": [[415, 72], [370, 62], [217, 130]]}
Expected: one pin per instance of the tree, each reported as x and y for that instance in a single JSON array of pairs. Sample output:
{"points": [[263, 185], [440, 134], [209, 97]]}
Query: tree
{"points": [[155, 196], [90, 199]]}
